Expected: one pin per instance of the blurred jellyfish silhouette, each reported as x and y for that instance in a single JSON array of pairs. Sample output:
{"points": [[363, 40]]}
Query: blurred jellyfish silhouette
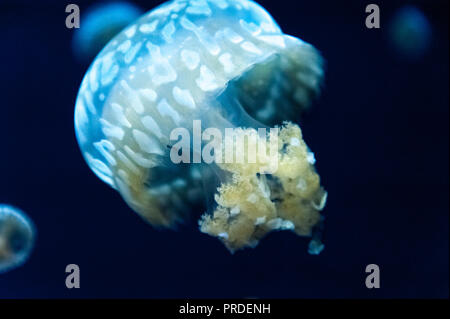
{"points": [[99, 24], [17, 235], [218, 64], [410, 32]]}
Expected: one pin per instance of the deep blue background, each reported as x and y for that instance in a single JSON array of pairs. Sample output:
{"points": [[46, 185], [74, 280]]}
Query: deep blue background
{"points": [[380, 132]]}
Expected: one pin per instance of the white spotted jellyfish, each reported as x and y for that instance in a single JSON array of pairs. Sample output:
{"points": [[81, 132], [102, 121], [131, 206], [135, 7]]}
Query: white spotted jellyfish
{"points": [[225, 64], [17, 235]]}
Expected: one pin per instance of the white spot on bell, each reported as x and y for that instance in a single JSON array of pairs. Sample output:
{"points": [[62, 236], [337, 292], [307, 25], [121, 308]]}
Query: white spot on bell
{"points": [[183, 97], [147, 143], [207, 79], [190, 58]]}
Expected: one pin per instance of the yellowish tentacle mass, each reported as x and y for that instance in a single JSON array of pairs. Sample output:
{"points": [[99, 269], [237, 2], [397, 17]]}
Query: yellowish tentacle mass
{"points": [[252, 204]]}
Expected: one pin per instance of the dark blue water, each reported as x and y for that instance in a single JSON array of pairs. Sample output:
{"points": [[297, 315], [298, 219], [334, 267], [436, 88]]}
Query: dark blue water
{"points": [[380, 132]]}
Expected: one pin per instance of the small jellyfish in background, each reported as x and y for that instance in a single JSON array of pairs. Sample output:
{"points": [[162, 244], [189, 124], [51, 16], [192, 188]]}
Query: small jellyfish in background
{"points": [[223, 64], [410, 32], [16, 238], [99, 24]]}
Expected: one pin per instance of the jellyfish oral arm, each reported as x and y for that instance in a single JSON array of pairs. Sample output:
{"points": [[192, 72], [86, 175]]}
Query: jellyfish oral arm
{"points": [[261, 197]]}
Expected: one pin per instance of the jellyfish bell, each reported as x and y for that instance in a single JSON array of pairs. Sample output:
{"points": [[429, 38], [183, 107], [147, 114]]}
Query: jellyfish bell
{"points": [[100, 24], [410, 32], [17, 235], [227, 64]]}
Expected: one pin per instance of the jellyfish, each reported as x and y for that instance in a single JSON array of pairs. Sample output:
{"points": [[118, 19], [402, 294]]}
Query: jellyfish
{"points": [[17, 235], [100, 24], [410, 32], [223, 65]]}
